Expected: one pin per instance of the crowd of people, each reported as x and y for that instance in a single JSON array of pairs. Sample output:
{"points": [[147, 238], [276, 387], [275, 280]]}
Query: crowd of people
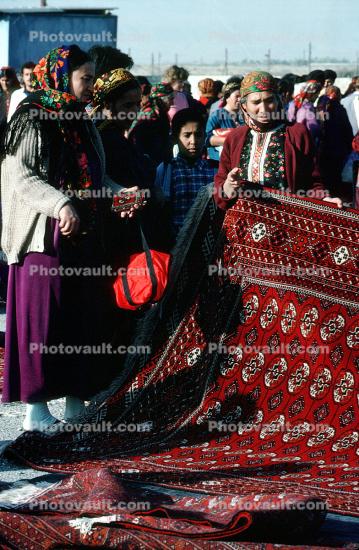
{"points": [[80, 130]]}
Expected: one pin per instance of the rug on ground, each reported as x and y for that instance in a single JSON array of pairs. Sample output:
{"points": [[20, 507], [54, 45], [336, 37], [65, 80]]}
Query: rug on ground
{"points": [[238, 418]]}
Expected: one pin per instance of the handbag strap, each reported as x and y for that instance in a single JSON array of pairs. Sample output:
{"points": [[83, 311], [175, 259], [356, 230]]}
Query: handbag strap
{"points": [[151, 270]]}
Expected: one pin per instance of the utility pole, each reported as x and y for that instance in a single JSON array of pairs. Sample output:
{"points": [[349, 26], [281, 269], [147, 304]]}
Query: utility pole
{"points": [[176, 59], [269, 61], [152, 64], [226, 61], [309, 57], [159, 63]]}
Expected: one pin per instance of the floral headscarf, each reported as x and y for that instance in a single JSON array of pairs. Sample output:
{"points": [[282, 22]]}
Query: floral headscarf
{"points": [[309, 90], [151, 109], [108, 82], [162, 89], [51, 80], [255, 82], [51, 76], [258, 81]]}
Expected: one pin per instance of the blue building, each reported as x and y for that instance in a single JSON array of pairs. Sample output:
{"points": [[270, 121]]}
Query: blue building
{"points": [[26, 35]]}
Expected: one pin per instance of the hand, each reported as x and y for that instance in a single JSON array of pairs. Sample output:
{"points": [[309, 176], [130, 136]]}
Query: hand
{"points": [[335, 200], [132, 211], [231, 185], [69, 220]]}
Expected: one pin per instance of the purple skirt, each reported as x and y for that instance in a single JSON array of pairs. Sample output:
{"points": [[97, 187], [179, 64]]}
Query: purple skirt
{"points": [[49, 317]]}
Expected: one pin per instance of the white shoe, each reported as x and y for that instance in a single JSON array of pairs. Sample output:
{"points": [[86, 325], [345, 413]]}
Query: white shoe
{"points": [[38, 417]]}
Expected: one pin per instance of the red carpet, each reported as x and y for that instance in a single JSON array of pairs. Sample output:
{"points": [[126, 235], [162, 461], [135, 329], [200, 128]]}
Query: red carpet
{"points": [[268, 349]]}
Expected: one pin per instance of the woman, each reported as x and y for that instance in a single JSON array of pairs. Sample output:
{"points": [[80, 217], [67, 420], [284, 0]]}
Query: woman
{"points": [[336, 140], [302, 108], [150, 132], [223, 120], [51, 178], [176, 77], [266, 151], [207, 91], [117, 98], [117, 95]]}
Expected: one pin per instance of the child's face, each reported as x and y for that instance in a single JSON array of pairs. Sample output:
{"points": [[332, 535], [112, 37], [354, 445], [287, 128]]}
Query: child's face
{"points": [[191, 140]]}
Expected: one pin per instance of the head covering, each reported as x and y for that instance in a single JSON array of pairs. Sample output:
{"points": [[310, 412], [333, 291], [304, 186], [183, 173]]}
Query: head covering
{"points": [[152, 109], [229, 88], [162, 89], [118, 79], [308, 91], [333, 92], [258, 81], [51, 75], [51, 80], [328, 101], [206, 87]]}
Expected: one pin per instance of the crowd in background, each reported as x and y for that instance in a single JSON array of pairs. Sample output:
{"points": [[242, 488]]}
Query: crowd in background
{"points": [[295, 133], [330, 117]]}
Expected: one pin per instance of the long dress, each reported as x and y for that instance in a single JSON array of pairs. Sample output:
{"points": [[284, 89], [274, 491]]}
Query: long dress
{"points": [[58, 326]]}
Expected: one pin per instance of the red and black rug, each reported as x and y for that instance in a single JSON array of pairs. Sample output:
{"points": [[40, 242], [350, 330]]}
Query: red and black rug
{"points": [[245, 410]]}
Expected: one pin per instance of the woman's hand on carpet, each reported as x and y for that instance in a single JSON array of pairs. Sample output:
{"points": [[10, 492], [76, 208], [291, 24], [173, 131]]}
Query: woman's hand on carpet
{"points": [[335, 200], [232, 183], [69, 220]]}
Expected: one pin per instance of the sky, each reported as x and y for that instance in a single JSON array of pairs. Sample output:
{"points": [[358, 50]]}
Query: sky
{"points": [[200, 30]]}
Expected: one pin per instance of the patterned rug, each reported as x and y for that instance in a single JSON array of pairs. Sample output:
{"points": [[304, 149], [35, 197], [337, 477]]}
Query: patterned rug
{"points": [[244, 410]]}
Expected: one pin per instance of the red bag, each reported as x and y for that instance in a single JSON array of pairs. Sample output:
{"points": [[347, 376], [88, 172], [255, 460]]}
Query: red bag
{"points": [[144, 280]]}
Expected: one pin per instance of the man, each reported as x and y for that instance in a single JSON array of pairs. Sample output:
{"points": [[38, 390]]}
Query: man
{"points": [[17, 96]]}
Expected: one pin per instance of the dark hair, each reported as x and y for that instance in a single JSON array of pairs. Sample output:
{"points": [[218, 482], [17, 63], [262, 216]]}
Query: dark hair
{"points": [[183, 117], [8, 72], [107, 58], [286, 86], [217, 87], [234, 78], [77, 57], [145, 85], [27, 65], [330, 74], [290, 76], [317, 75]]}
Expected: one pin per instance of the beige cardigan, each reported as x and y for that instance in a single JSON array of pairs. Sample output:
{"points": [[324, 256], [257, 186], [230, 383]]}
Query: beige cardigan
{"points": [[27, 200]]}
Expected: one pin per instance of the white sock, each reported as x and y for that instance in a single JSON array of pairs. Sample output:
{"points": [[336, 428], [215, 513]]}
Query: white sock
{"points": [[74, 407], [38, 417]]}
